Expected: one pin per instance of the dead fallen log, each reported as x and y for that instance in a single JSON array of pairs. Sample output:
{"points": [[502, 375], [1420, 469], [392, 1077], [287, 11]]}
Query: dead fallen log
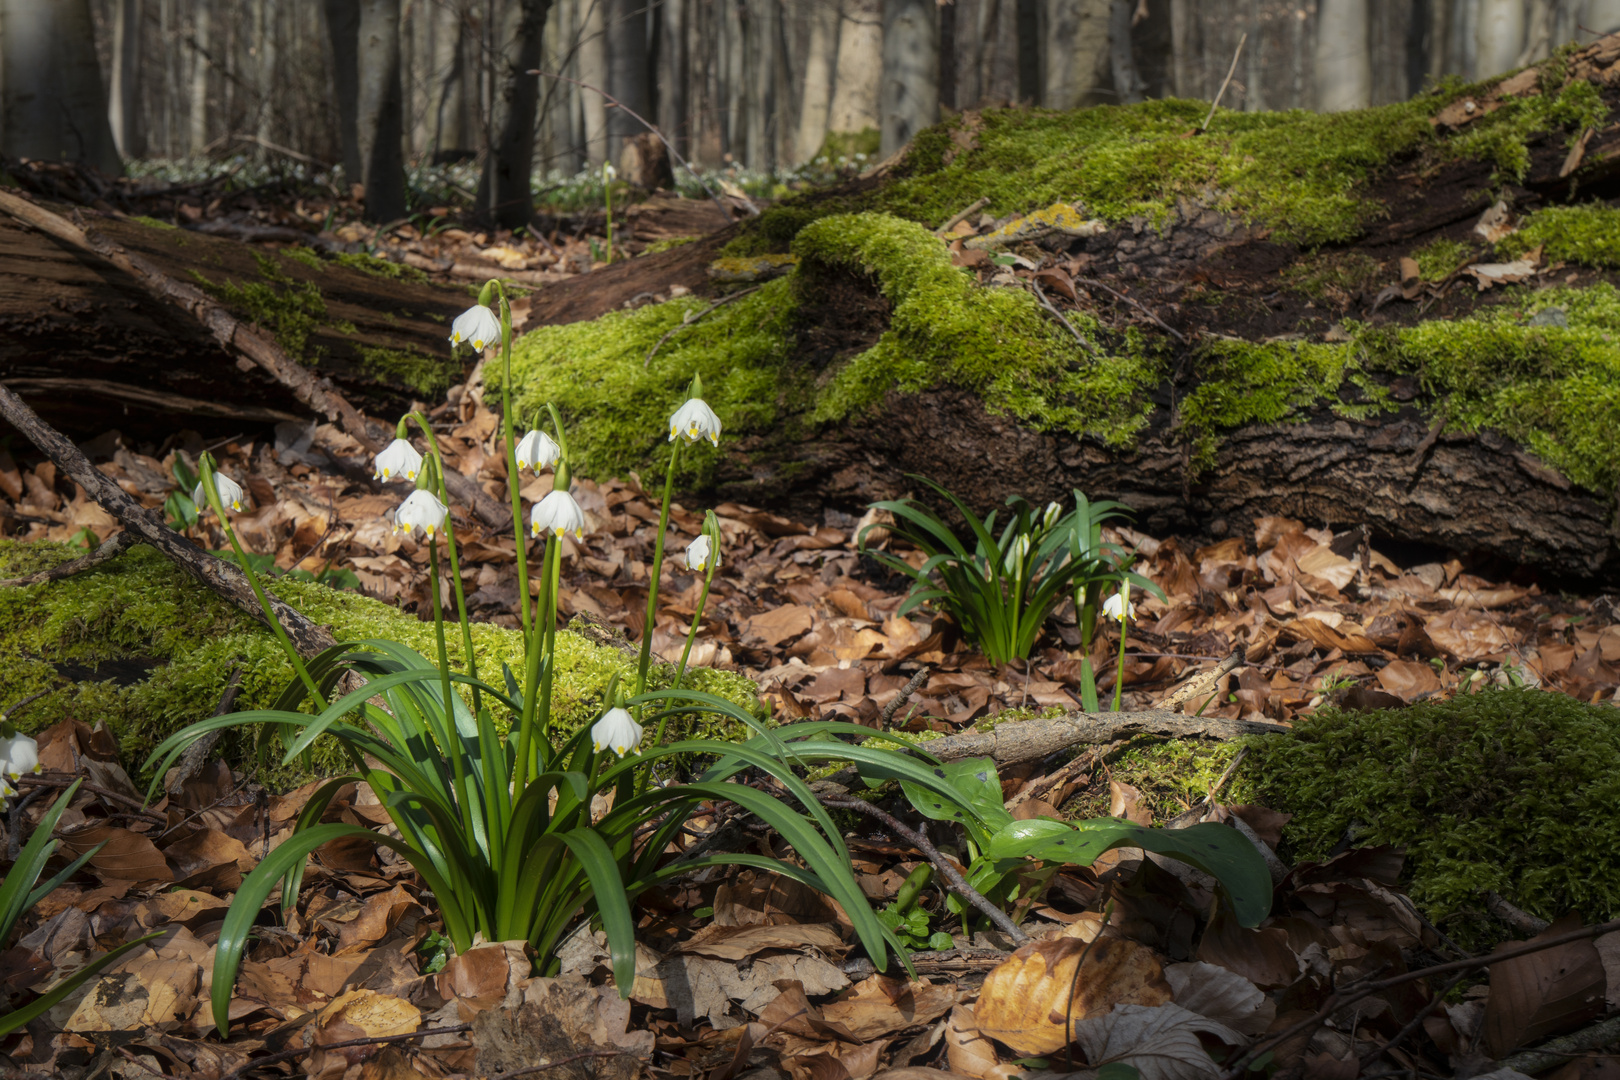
{"points": [[222, 577]]}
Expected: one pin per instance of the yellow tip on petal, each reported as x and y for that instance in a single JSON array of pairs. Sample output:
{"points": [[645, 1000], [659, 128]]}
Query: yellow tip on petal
{"points": [[411, 475]]}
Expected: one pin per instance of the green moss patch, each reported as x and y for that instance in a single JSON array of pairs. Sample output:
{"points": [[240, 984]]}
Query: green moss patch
{"points": [[141, 607], [1586, 235], [428, 376], [1439, 259], [292, 310], [380, 268]]}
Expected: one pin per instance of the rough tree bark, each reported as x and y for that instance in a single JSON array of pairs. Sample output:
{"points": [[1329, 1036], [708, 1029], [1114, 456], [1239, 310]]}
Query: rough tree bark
{"points": [[628, 69], [1075, 48], [816, 98], [52, 107], [505, 187], [858, 71], [343, 31], [380, 115], [909, 98], [1343, 63], [123, 104]]}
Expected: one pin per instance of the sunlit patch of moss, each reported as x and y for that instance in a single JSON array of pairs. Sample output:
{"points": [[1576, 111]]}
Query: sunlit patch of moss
{"points": [[304, 256], [141, 606], [379, 268], [1503, 137], [1440, 258], [1508, 790], [1586, 235], [736, 268], [289, 309], [1172, 775], [669, 243], [1348, 272], [428, 376], [154, 223]]}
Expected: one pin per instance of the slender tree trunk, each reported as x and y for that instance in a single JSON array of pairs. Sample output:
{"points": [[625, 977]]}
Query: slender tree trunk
{"points": [[51, 102], [909, 99], [1121, 64], [858, 69], [593, 70], [343, 30], [1343, 62], [628, 70], [379, 118], [816, 98], [1602, 16], [1030, 80], [1076, 51], [948, 67], [200, 63], [1498, 37], [506, 187], [123, 104], [674, 72]]}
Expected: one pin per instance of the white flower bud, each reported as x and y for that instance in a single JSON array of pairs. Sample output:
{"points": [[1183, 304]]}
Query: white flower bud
{"points": [[1117, 607], [698, 552], [230, 493]]}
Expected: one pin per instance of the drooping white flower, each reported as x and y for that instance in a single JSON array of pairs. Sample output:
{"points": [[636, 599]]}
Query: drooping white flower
{"points": [[537, 451], [478, 326], [1015, 553], [609, 171], [230, 493], [698, 552], [558, 513], [695, 420], [6, 790], [1117, 607], [398, 461], [618, 731], [19, 756], [1053, 512], [421, 510]]}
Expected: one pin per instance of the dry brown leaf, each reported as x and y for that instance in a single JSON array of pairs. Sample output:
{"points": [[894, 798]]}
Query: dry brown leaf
{"points": [[770, 628], [1160, 1042], [968, 1051], [1544, 993], [736, 942], [373, 1013], [1025, 999], [482, 974], [127, 856], [1408, 680], [881, 1006], [1221, 995], [1608, 947]]}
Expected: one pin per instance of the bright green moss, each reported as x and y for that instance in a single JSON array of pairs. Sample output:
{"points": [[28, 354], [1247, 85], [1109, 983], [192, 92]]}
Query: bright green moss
{"points": [[140, 606], [154, 223], [1439, 259], [289, 309], [429, 376], [669, 243], [1585, 235], [380, 268], [1508, 790], [303, 255], [1503, 137]]}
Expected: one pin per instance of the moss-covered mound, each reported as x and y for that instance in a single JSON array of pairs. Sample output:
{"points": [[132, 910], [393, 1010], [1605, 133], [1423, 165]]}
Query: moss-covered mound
{"points": [[1509, 790], [140, 645]]}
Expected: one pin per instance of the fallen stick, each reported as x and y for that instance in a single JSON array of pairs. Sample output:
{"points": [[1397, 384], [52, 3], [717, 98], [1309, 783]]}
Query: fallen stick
{"points": [[1029, 740], [1205, 680], [222, 577], [961, 215], [244, 340], [1560, 1050]]}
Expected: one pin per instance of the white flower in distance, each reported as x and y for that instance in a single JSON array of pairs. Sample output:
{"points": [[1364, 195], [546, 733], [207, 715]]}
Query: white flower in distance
{"points": [[558, 513], [399, 460], [618, 731], [421, 510], [230, 493], [695, 420], [537, 451], [1117, 607], [477, 325], [698, 552], [19, 756]]}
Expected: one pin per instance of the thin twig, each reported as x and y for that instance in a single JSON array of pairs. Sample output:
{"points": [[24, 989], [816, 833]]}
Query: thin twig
{"points": [[911, 687], [1411, 1025], [1237, 760], [375, 1040], [29, 700], [1203, 681], [650, 126], [105, 793], [1144, 309], [961, 215], [1224, 84], [724, 300], [1067, 325], [919, 839], [111, 547]]}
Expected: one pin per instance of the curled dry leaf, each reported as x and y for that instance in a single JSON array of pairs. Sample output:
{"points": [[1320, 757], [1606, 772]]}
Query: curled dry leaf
{"points": [[375, 1014], [1160, 1042], [1025, 1000], [969, 1052], [1221, 995]]}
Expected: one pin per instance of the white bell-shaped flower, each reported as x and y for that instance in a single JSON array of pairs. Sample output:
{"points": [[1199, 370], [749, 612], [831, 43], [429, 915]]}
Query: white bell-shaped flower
{"points": [[230, 493], [698, 553], [537, 451], [478, 326], [1117, 607], [695, 420], [19, 756], [1053, 512], [617, 731], [421, 510], [398, 461], [6, 790], [558, 513]]}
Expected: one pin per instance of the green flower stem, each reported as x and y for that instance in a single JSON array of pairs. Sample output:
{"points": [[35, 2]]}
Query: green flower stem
{"points": [[455, 563], [537, 676], [657, 572], [1119, 676], [697, 617], [452, 732], [549, 630], [212, 491], [513, 478], [607, 191]]}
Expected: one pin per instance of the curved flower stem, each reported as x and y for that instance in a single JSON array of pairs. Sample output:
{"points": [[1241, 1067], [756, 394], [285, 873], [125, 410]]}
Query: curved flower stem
{"points": [[452, 731], [513, 478], [697, 619], [538, 675], [1119, 676], [455, 563], [211, 489], [657, 572]]}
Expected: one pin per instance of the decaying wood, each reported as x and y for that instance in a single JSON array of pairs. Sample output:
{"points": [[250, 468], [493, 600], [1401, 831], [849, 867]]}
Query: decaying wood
{"points": [[256, 347], [110, 548], [1031, 740], [1205, 681], [222, 577]]}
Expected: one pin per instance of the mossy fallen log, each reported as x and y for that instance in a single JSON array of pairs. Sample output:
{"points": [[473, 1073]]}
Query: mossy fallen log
{"points": [[139, 645], [1248, 349]]}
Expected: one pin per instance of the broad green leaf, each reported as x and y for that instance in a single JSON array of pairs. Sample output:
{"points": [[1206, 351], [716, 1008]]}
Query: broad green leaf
{"points": [[976, 786]]}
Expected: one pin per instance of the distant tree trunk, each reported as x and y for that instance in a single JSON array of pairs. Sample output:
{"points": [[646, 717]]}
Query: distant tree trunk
{"points": [[1343, 62], [1602, 16], [1498, 37], [123, 103], [379, 118], [628, 71], [506, 187], [1030, 82], [343, 29], [909, 99], [816, 98], [51, 102], [1076, 52], [674, 72], [1121, 64], [859, 67], [593, 69], [200, 62], [947, 55]]}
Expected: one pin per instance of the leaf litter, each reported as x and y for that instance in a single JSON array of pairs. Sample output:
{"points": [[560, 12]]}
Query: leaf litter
{"points": [[745, 974]]}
